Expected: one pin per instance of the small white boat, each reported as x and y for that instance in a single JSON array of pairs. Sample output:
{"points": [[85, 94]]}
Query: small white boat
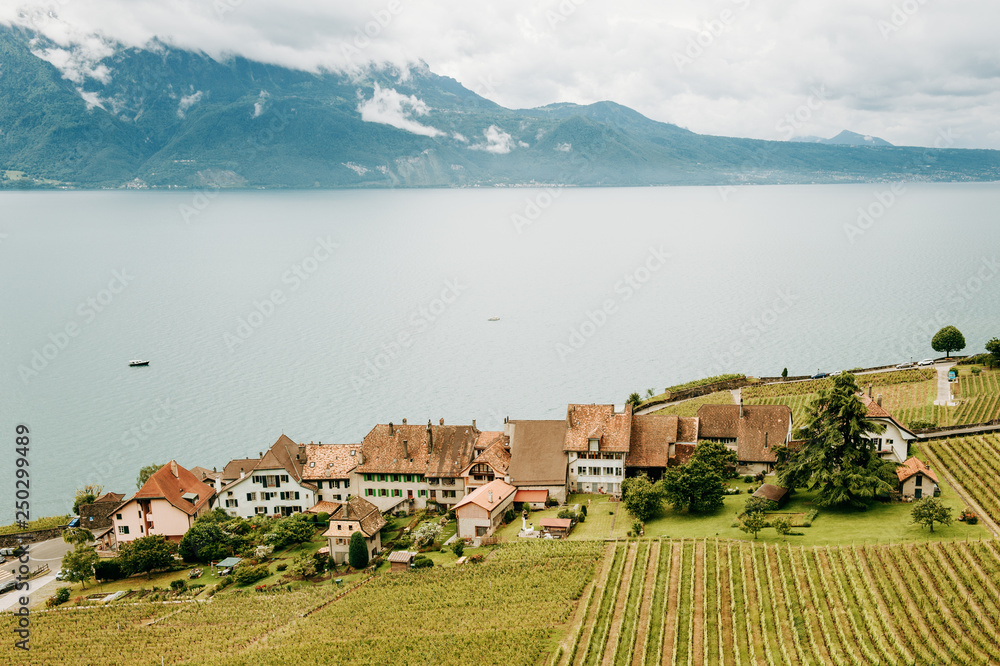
{"points": [[137, 364], [493, 319]]}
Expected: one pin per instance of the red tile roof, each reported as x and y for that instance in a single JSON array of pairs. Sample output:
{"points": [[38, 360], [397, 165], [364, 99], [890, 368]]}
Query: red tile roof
{"points": [[497, 489], [558, 523], [758, 431], [589, 421], [687, 429], [771, 492], [536, 453], [432, 450], [496, 453], [330, 461], [357, 509], [171, 482], [875, 410], [531, 496], [234, 468], [323, 507], [913, 466], [285, 455], [650, 440]]}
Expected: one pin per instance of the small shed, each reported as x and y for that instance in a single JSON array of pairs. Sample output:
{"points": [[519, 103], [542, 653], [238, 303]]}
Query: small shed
{"points": [[228, 563], [776, 494], [400, 560], [536, 498], [559, 527]]}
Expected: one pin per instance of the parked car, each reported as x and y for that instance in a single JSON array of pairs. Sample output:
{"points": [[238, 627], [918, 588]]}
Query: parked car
{"points": [[8, 586], [13, 552], [926, 361], [820, 375], [905, 364], [61, 575]]}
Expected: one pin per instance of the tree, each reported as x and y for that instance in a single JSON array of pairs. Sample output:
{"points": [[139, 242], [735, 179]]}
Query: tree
{"points": [[634, 399], [754, 522], [947, 340], [146, 554], [86, 495], [759, 505], [357, 556], [291, 530], [784, 373], [930, 510], [146, 472], [650, 393], [78, 564], [838, 457], [78, 536], [304, 566], [204, 541], [108, 570], [718, 457], [782, 526], [695, 486], [426, 534], [458, 547], [993, 347], [641, 497]]}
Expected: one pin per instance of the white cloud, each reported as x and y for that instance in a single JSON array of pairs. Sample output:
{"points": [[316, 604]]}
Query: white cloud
{"points": [[564, 147], [258, 106], [498, 142], [187, 102], [459, 137], [393, 108], [92, 99]]}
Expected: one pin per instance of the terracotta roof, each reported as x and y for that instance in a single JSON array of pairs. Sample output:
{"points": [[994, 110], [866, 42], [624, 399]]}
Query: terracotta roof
{"points": [[757, 432], [497, 489], [110, 497], [587, 421], [330, 461], [205, 474], [561, 523], [323, 507], [536, 453], [431, 450], [359, 510], [496, 454], [171, 482], [682, 454], [533, 496], [913, 466], [231, 471], [877, 411], [402, 556], [650, 440], [687, 429], [771, 492]]}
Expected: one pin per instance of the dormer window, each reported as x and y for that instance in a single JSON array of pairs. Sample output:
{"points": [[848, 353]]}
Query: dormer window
{"points": [[312, 463], [594, 444]]}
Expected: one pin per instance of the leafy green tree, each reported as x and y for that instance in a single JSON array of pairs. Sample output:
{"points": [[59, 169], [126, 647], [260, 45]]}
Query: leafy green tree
{"points": [[78, 536], [357, 556], [204, 541], [426, 534], [634, 399], [108, 570], [146, 472], [784, 373], [86, 495], [718, 457], [754, 522], [291, 530], [782, 526], [303, 566], [930, 510], [650, 393], [947, 340], [696, 487], [78, 564], [458, 547], [642, 498], [837, 457], [993, 347], [759, 504], [146, 554]]}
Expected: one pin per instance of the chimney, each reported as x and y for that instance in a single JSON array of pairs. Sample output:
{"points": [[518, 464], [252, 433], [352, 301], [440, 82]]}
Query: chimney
{"points": [[218, 485], [361, 457], [473, 424], [441, 422], [490, 497], [869, 390], [765, 439], [404, 421], [430, 438], [260, 454], [741, 406], [390, 428], [173, 469], [242, 473], [569, 417], [406, 450], [878, 400]]}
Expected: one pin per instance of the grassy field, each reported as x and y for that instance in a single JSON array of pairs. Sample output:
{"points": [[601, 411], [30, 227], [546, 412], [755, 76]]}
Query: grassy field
{"points": [[38, 524], [690, 407], [605, 519], [710, 601]]}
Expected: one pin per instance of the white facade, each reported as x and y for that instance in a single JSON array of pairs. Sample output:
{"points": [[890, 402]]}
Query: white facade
{"points": [[893, 444], [408, 491], [596, 471], [267, 493]]}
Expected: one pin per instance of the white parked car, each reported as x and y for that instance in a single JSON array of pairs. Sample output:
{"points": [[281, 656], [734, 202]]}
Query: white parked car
{"points": [[905, 364], [926, 361]]}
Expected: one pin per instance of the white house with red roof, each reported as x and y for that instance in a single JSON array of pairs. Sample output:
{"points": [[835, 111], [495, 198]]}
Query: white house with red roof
{"points": [[894, 443], [481, 512], [916, 479], [596, 443], [167, 504], [274, 486]]}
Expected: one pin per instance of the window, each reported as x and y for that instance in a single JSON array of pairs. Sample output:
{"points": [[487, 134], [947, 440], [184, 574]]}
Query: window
{"points": [[231, 503], [350, 528], [312, 463], [284, 477], [347, 483], [595, 471], [381, 478], [920, 480], [261, 510], [334, 484], [395, 478], [251, 497], [594, 444], [433, 494], [369, 492], [339, 527], [408, 478], [396, 492], [118, 516], [122, 529], [383, 492], [289, 495], [336, 497], [421, 493], [447, 493]]}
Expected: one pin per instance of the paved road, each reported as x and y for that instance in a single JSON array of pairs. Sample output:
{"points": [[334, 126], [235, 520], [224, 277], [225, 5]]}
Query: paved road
{"points": [[943, 385], [47, 552]]}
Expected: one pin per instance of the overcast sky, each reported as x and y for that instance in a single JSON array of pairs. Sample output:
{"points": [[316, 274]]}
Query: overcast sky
{"points": [[909, 71]]}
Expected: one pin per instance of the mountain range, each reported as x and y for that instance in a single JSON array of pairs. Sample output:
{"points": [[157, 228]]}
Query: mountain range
{"points": [[162, 117]]}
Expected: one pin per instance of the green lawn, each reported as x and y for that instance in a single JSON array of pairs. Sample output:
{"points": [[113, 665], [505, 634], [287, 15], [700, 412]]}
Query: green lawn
{"points": [[690, 407], [605, 519]]}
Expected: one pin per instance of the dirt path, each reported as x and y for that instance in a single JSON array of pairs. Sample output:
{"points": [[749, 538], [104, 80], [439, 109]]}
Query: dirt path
{"points": [[673, 602], [620, 609], [645, 609], [698, 649]]}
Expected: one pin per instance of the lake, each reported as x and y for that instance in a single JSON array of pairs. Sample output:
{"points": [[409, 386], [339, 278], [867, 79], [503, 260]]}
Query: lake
{"points": [[320, 314]]}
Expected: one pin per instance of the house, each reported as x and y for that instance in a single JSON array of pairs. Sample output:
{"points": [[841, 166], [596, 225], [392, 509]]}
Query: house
{"points": [[273, 486], [894, 443], [660, 441], [537, 458], [401, 560], [916, 479], [96, 516], [776, 494], [481, 511], [492, 461], [596, 443], [207, 476], [557, 527], [753, 431], [330, 468], [236, 469], [355, 515], [536, 498], [168, 504], [405, 467]]}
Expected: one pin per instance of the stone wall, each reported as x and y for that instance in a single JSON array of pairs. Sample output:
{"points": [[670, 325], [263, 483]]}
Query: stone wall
{"points": [[37, 536]]}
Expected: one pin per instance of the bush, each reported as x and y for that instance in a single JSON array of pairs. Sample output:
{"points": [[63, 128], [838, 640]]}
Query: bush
{"points": [[178, 585], [282, 566], [476, 559], [748, 478], [245, 575], [583, 509], [422, 562], [581, 517], [458, 548], [976, 371], [62, 595], [922, 425], [108, 570], [551, 502]]}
